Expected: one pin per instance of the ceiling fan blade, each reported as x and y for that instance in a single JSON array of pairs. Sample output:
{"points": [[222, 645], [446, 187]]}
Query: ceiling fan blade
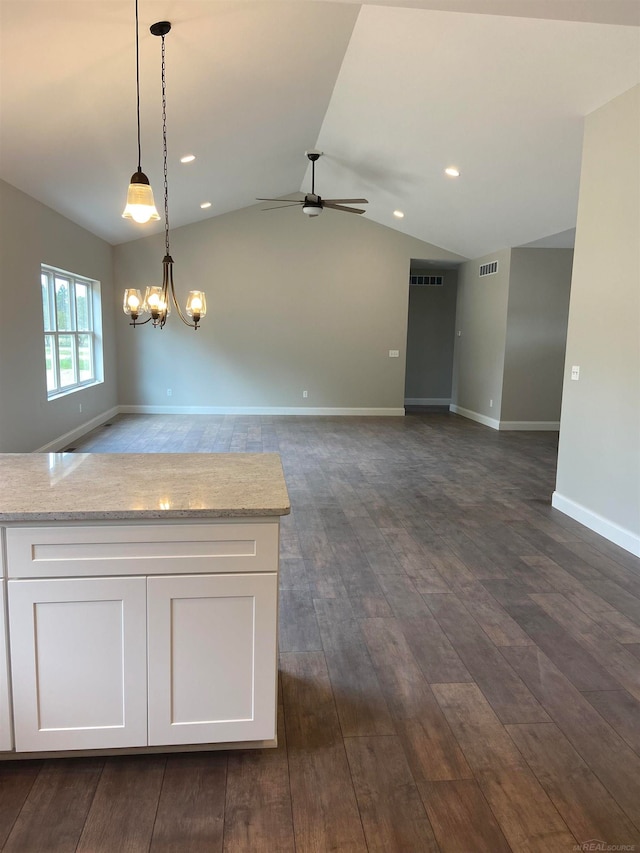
{"points": [[291, 200], [342, 207], [346, 201], [279, 207]]}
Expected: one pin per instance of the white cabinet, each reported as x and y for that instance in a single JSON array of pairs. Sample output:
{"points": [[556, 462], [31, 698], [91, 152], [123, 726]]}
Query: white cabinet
{"points": [[212, 658], [6, 736], [78, 663], [177, 646]]}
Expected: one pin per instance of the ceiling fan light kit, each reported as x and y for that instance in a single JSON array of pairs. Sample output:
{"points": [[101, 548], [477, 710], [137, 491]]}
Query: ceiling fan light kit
{"points": [[312, 208], [313, 204]]}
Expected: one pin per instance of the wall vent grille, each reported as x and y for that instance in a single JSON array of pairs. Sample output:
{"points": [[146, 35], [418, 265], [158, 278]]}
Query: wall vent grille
{"points": [[426, 280], [488, 269]]}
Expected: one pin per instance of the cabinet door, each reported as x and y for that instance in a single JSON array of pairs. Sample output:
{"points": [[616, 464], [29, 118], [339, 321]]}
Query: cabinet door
{"points": [[6, 734], [212, 658], [78, 663]]}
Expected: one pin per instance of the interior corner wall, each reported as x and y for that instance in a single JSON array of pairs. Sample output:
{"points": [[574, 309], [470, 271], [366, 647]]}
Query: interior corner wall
{"points": [[294, 304], [33, 234], [430, 339], [480, 339], [598, 477], [537, 316]]}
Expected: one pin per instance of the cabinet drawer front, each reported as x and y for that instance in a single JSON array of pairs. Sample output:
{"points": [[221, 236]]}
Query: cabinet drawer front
{"points": [[212, 658], [78, 663], [49, 552]]}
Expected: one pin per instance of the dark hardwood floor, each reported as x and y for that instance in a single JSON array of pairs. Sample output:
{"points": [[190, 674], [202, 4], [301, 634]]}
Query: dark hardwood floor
{"points": [[459, 663]]}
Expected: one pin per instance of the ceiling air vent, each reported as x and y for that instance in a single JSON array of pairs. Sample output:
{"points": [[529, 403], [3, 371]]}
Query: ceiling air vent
{"points": [[426, 280], [489, 269]]}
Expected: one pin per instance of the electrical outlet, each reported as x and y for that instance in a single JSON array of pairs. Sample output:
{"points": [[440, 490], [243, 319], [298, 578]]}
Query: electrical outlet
{"points": [[491, 404], [394, 353], [169, 392], [80, 407], [575, 372], [305, 394]]}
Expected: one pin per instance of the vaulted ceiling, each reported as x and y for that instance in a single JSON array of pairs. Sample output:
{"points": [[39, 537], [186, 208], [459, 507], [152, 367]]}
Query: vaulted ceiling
{"points": [[392, 92]]}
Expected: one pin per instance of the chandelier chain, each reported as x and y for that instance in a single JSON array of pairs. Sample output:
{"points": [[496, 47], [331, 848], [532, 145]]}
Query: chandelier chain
{"points": [[164, 147]]}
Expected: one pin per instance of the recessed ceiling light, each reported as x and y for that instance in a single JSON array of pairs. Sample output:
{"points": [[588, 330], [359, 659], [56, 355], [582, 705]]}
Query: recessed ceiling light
{"points": [[398, 214], [188, 158], [205, 205], [452, 172]]}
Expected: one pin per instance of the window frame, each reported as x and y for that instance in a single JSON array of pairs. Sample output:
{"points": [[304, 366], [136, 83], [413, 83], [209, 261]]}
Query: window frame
{"points": [[53, 334]]}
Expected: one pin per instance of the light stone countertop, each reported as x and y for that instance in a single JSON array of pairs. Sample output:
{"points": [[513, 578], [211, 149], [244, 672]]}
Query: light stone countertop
{"points": [[119, 486]]}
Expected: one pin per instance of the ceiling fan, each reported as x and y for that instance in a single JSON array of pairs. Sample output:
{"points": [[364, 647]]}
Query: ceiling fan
{"points": [[314, 204]]}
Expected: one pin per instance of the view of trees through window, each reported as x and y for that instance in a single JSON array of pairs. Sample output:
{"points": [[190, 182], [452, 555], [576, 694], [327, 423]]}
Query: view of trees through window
{"points": [[69, 333]]}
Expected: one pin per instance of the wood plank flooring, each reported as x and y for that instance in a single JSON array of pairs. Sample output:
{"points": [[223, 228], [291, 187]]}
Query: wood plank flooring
{"points": [[459, 663]]}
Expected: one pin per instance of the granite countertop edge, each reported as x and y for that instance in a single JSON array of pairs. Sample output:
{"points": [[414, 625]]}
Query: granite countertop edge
{"points": [[143, 514]]}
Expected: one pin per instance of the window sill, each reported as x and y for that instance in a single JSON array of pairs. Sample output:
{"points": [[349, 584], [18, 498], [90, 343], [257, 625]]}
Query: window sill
{"points": [[67, 391]]}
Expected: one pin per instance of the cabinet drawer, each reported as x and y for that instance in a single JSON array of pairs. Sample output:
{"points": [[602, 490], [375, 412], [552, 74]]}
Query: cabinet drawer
{"points": [[49, 552]]}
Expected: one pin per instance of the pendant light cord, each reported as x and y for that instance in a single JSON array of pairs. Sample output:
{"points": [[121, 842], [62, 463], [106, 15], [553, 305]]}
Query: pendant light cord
{"points": [[138, 89]]}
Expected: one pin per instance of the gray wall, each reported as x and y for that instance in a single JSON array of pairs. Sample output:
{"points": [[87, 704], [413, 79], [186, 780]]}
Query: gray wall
{"points": [[294, 304], [481, 318], [537, 315], [599, 454], [430, 338], [32, 234]]}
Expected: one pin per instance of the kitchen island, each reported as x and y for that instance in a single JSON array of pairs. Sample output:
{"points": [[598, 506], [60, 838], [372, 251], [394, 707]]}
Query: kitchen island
{"points": [[139, 601]]}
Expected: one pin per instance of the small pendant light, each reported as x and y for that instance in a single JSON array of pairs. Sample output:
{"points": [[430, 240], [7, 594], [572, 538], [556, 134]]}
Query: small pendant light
{"points": [[140, 205]]}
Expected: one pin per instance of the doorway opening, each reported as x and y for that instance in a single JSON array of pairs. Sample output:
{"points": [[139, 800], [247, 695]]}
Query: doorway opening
{"points": [[430, 335]]}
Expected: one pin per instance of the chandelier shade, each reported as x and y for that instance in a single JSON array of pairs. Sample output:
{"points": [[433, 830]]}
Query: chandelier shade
{"points": [[132, 304], [196, 305]]}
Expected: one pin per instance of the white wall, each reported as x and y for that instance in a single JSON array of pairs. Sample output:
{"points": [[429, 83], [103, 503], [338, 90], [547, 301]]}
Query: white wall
{"points": [[481, 320], [537, 315], [294, 304], [33, 234], [510, 338], [598, 479]]}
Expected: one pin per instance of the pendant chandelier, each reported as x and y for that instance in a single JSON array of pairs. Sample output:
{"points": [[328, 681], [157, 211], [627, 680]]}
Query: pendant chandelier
{"points": [[157, 300], [140, 205]]}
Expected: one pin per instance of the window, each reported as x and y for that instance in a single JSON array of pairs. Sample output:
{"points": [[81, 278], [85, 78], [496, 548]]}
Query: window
{"points": [[71, 311]]}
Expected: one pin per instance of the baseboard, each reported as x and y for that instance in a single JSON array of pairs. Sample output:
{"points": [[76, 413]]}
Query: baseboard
{"points": [[610, 530], [65, 440], [257, 410], [427, 401], [474, 416], [529, 426], [534, 426]]}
